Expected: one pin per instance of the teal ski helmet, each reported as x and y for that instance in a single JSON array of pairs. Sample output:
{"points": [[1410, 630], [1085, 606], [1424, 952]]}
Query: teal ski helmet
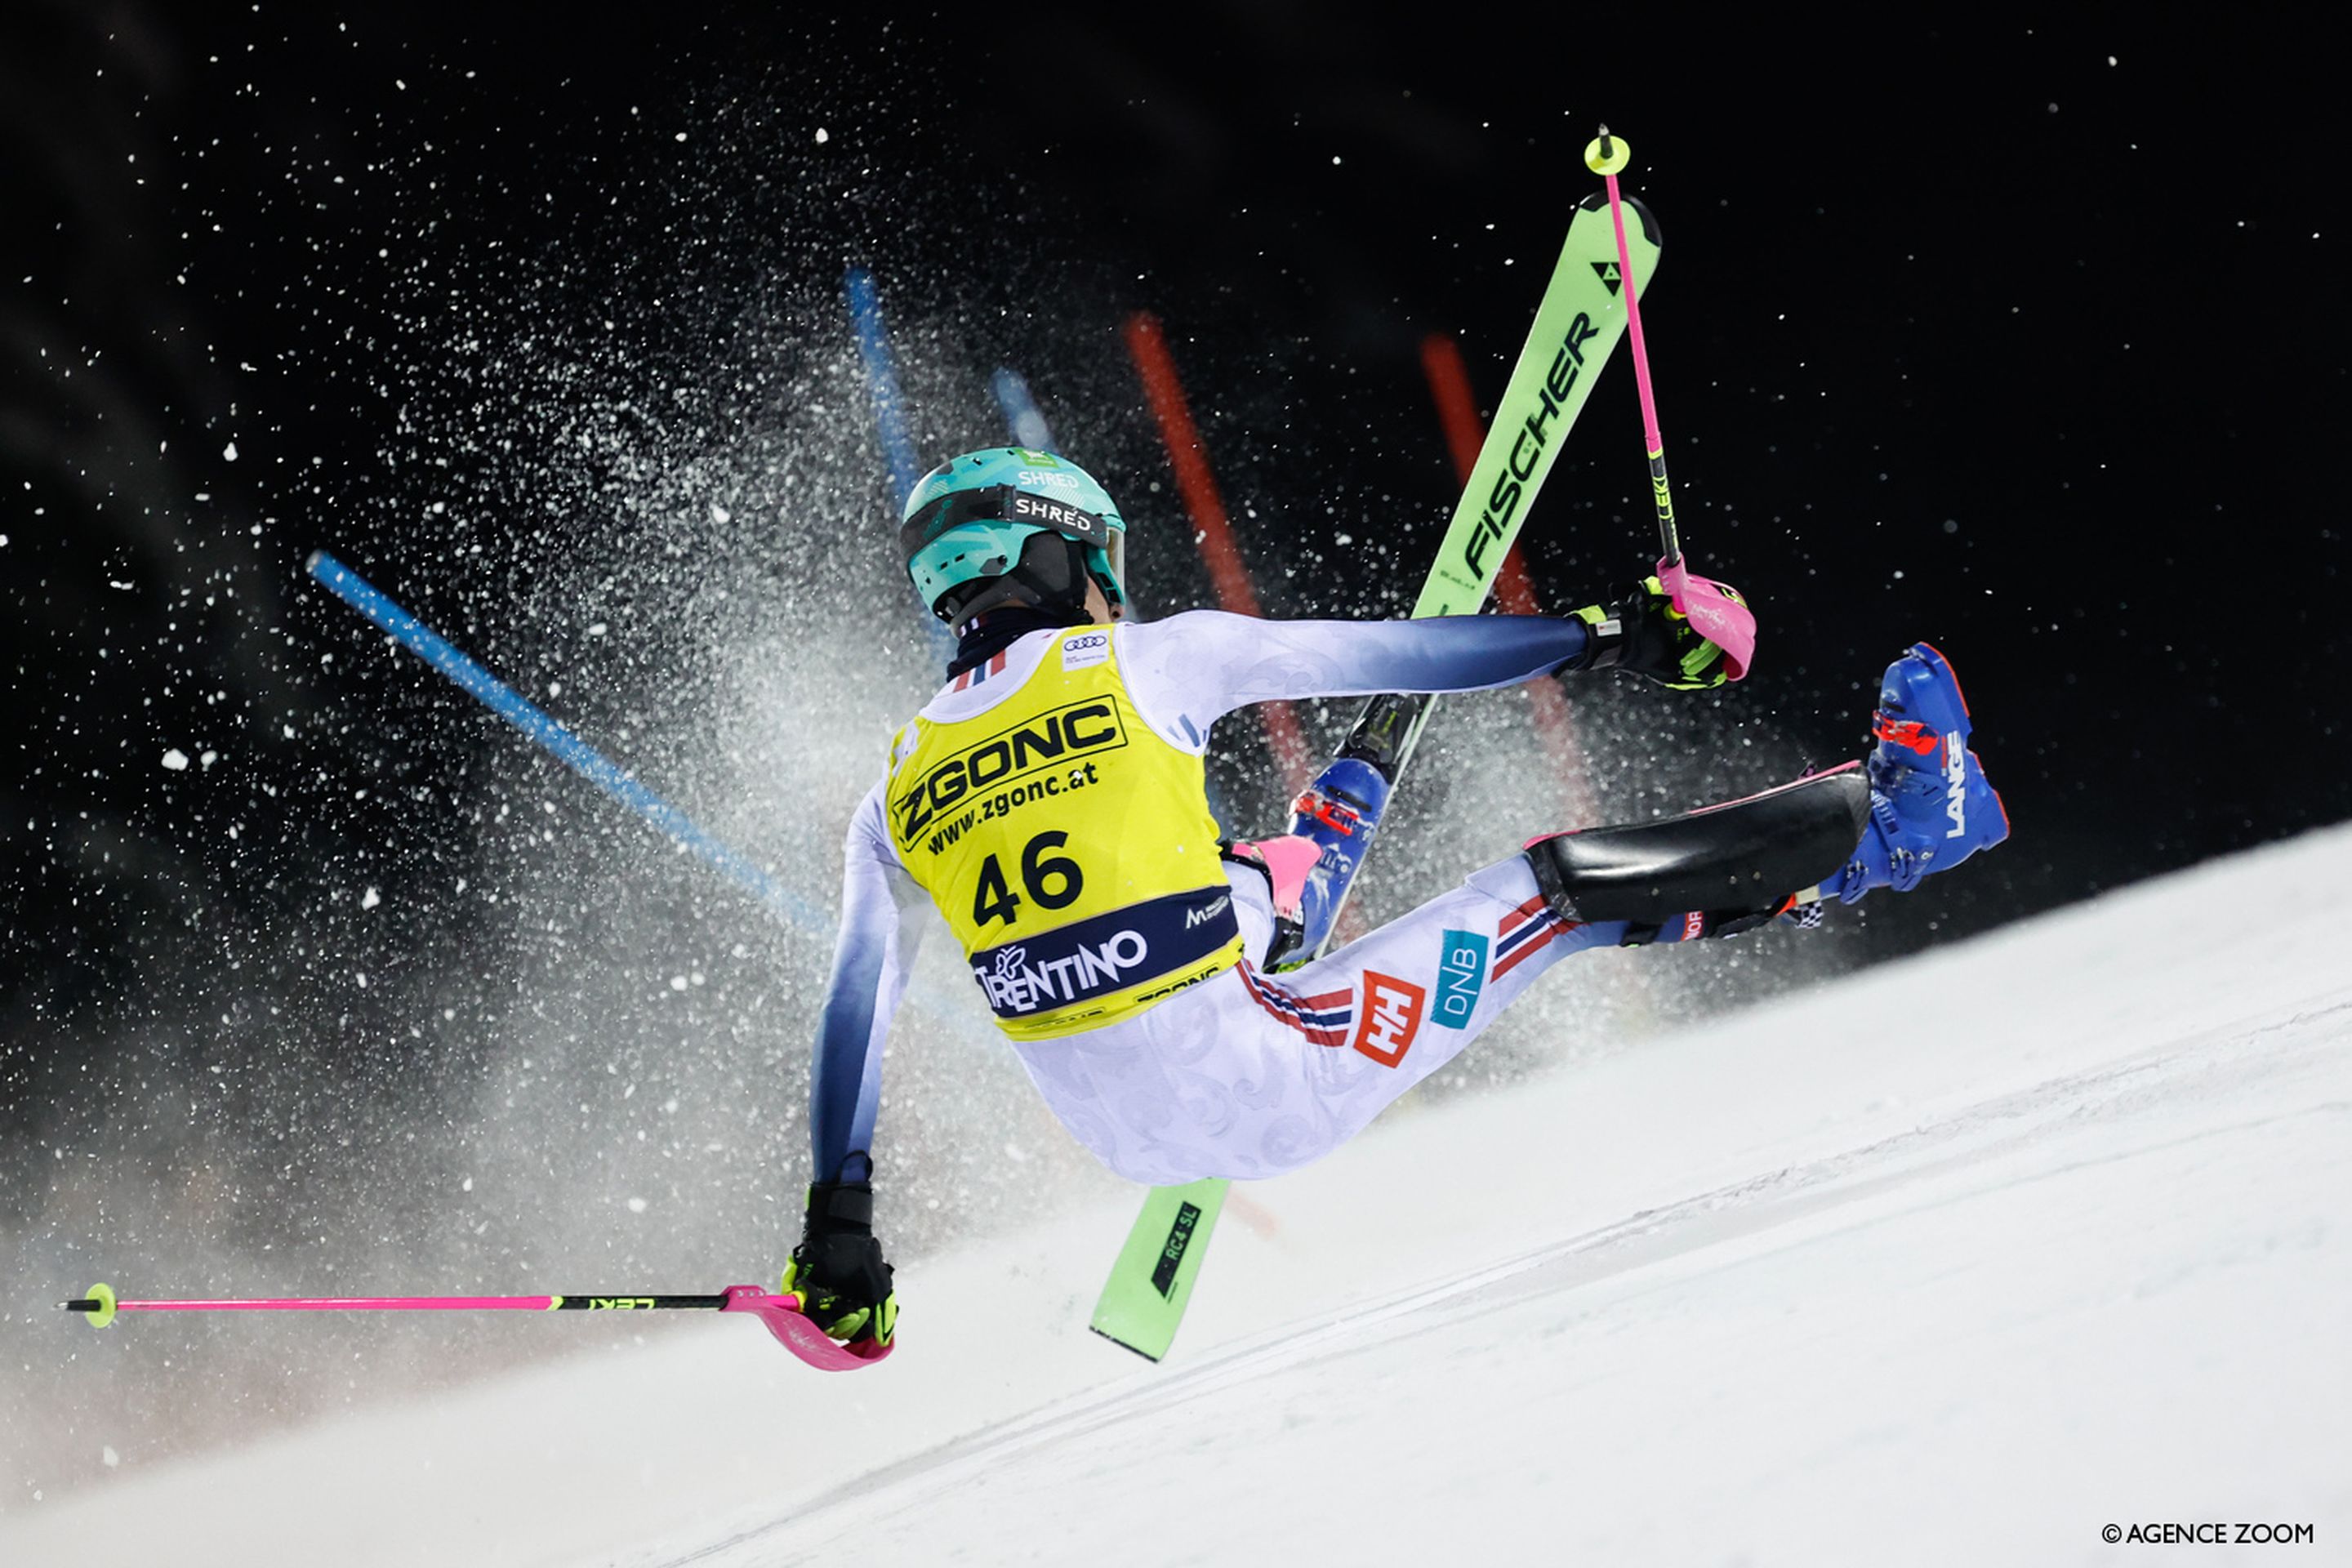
{"points": [[1008, 525]]}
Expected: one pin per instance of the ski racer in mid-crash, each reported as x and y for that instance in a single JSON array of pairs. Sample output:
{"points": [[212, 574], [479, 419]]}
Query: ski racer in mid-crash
{"points": [[1050, 803]]}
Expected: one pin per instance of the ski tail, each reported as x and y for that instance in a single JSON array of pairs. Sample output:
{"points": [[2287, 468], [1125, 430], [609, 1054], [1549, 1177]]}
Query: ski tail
{"points": [[1151, 1284]]}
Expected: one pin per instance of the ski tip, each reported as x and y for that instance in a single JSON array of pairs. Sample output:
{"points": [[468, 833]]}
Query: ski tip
{"points": [[1597, 202], [97, 1306], [315, 561], [1606, 155]]}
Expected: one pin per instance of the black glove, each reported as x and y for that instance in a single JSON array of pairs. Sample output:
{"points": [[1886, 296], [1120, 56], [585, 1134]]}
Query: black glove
{"points": [[1644, 633], [837, 1269]]}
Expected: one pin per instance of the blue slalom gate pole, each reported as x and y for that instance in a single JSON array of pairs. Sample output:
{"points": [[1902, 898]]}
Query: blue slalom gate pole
{"points": [[1022, 414], [560, 742], [898, 449], [882, 381]]}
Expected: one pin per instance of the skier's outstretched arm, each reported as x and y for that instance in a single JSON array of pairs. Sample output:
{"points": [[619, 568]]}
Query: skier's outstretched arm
{"points": [[1194, 667], [838, 1269]]}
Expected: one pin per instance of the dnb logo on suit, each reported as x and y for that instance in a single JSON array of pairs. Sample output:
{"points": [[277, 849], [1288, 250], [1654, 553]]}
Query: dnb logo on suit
{"points": [[1461, 976]]}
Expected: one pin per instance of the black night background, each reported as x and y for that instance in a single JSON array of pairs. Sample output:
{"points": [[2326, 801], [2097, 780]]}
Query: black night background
{"points": [[2023, 338]]}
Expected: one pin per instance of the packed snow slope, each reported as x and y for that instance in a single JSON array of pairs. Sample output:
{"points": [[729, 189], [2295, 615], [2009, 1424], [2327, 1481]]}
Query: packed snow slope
{"points": [[1960, 1260]]}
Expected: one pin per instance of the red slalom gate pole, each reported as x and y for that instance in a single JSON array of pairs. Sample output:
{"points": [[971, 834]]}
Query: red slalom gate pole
{"points": [[1458, 413], [1211, 529]]}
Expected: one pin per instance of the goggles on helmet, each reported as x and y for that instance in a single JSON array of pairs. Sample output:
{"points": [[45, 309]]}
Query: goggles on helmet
{"points": [[1010, 503]]}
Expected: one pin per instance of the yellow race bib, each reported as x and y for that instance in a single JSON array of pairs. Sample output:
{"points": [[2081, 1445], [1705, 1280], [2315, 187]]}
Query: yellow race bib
{"points": [[1068, 847]]}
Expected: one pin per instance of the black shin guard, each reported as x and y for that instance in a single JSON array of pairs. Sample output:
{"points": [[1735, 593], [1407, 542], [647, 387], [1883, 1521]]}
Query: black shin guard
{"points": [[1741, 860]]}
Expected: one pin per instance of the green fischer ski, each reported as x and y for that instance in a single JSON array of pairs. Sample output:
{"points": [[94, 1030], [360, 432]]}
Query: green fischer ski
{"points": [[1152, 1283], [1576, 328]]}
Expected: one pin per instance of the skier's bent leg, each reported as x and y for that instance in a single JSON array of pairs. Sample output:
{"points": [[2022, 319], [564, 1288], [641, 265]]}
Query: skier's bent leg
{"points": [[1250, 1074], [1384, 1012]]}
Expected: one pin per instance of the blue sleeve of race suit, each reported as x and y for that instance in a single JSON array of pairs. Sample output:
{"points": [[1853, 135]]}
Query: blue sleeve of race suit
{"points": [[1189, 670], [882, 912]]}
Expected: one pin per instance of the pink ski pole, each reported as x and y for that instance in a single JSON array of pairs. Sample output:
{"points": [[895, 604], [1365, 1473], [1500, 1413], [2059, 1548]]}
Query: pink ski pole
{"points": [[780, 1313], [1717, 612]]}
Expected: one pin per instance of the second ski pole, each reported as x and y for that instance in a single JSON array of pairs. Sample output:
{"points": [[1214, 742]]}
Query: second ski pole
{"points": [[1717, 612], [780, 1313]]}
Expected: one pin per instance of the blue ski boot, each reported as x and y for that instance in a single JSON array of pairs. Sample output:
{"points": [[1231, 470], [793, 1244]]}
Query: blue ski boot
{"points": [[1339, 812], [1930, 807]]}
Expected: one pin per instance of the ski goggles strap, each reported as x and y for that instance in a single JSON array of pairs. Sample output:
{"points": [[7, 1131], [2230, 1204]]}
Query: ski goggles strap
{"points": [[1003, 503]]}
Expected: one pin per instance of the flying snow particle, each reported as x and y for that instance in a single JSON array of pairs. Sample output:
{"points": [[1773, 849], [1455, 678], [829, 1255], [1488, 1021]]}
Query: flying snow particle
{"points": [[823, 135], [228, 453], [176, 760], [637, 1205], [678, 982], [596, 629], [370, 899], [362, 978], [681, 135], [109, 1456], [467, 1186], [719, 513]]}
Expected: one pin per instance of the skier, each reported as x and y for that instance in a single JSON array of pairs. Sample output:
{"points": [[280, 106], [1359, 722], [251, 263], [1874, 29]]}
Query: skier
{"points": [[1049, 803]]}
